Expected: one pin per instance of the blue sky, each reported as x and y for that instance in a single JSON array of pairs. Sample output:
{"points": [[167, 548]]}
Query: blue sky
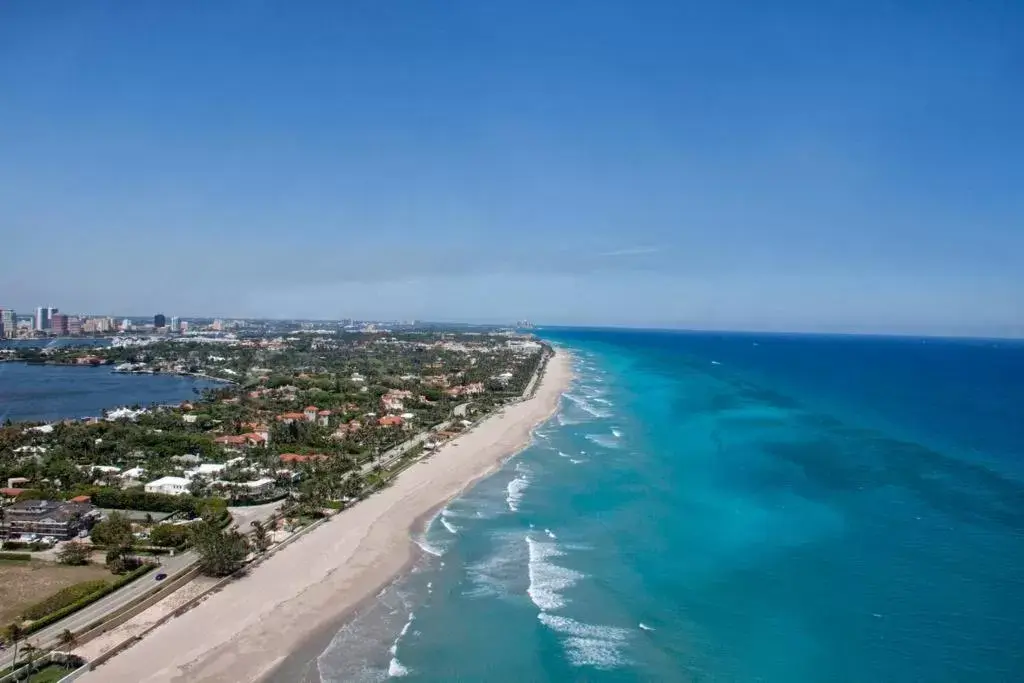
{"points": [[830, 166]]}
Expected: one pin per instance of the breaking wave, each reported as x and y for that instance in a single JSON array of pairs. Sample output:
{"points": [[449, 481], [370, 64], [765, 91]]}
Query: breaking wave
{"points": [[547, 579], [515, 489], [589, 644]]}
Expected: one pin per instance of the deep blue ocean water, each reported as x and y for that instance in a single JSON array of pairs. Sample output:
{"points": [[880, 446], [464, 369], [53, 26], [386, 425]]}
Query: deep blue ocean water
{"points": [[708, 507]]}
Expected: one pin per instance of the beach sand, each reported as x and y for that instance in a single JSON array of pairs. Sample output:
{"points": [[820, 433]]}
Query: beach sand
{"points": [[292, 601]]}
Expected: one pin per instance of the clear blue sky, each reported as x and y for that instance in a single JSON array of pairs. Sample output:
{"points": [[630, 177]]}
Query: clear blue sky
{"points": [[815, 165]]}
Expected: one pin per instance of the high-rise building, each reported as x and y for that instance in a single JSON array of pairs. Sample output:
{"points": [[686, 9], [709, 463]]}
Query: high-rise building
{"points": [[126, 325], [159, 320], [8, 323], [175, 324], [74, 325], [59, 324], [42, 321]]}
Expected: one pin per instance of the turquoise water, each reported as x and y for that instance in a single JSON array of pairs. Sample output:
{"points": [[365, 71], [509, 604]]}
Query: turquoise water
{"points": [[732, 508]]}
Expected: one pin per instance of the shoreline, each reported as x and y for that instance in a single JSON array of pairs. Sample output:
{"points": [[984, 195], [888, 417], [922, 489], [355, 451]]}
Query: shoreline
{"points": [[274, 623], [300, 666]]}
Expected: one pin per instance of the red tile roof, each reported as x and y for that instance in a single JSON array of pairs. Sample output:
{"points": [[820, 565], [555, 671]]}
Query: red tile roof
{"points": [[390, 421], [81, 499], [295, 457], [11, 492]]}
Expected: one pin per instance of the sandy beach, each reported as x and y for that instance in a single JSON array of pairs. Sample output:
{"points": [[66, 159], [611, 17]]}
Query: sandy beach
{"points": [[247, 630]]}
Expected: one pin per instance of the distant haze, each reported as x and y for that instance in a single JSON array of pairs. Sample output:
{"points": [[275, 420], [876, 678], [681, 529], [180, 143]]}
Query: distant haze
{"points": [[734, 165]]}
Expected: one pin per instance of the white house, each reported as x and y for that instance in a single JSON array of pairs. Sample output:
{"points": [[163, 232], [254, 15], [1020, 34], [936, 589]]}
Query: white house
{"points": [[173, 486], [134, 474], [260, 486], [206, 469]]}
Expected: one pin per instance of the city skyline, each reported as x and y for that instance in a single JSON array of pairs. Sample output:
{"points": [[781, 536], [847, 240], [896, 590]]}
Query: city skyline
{"points": [[852, 168]]}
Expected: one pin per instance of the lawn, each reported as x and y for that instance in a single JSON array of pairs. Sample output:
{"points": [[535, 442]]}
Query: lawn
{"points": [[49, 674], [25, 583]]}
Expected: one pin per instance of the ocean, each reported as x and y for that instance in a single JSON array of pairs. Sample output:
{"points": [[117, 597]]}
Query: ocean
{"points": [[52, 392], [732, 507]]}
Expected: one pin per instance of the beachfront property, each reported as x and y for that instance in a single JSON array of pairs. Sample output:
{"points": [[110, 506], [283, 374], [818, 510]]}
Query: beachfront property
{"points": [[58, 519]]}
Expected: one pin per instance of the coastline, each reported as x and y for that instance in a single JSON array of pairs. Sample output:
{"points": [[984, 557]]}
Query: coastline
{"points": [[272, 624]]}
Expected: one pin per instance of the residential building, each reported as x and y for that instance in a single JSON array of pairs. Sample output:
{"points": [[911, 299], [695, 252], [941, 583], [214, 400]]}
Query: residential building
{"points": [[133, 475], [159, 320], [260, 487], [206, 469], [310, 413], [74, 325], [175, 324], [60, 519], [291, 458], [172, 486]]}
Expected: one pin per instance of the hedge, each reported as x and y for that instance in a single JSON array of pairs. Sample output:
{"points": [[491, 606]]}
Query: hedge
{"points": [[118, 499], [63, 598], [20, 557], [21, 545], [87, 600]]}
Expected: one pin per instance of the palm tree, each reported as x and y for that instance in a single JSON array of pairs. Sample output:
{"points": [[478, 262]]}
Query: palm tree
{"points": [[14, 634], [260, 537], [31, 653], [66, 638]]}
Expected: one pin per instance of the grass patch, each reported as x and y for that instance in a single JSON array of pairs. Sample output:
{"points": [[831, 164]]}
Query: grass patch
{"points": [[51, 673], [64, 597], [24, 583]]}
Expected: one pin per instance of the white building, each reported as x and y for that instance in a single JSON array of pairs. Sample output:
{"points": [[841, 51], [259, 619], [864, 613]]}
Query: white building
{"points": [[260, 486], [172, 486], [134, 474], [206, 469]]}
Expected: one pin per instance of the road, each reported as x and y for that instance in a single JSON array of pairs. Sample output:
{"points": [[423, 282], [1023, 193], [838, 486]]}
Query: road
{"points": [[172, 566]]}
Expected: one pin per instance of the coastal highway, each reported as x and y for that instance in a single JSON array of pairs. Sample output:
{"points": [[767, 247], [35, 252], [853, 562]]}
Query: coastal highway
{"points": [[172, 566], [80, 620]]}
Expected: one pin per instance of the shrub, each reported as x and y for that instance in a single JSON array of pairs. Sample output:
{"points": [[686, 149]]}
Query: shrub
{"points": [[20, 545], [63, 598], [87, 600], [168, 535], [74, 553], [19, 557], [119, 499]]}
